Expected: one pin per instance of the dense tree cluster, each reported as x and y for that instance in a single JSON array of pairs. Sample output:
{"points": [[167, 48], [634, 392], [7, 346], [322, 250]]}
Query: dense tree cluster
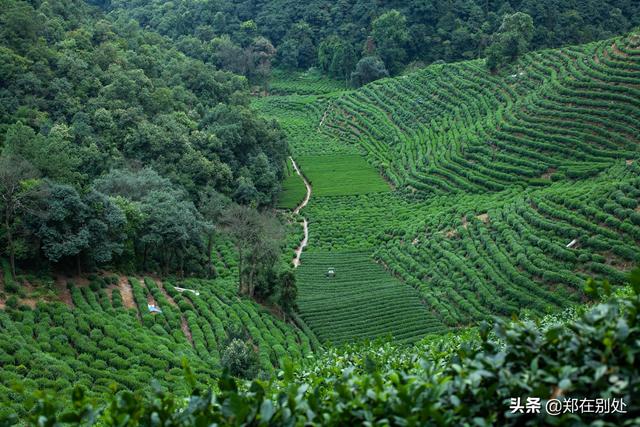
{"points": [[334, 35], [511, 40], [115, 145]]}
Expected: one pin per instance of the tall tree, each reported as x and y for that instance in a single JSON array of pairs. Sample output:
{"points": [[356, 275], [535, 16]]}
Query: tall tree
{"points": [[240, 223], [336, 57], [17, 186], [261, 52], [63, 230], [511, 40], [55, 156], [288, 292], [368, 69], [166, 225], [212, 205], [258, 241], [390, 34], [297, 49]]}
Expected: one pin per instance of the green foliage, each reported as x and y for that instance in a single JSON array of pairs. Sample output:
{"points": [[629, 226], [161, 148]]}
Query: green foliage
{"points": [[73, 226], [494, 177], [9, 284], [390, 35], [508, 191], [301, 116], [336, 57], [340, 175], [368, 69], [101, 345], [442, 381], [240, 359], [361, 301], [293, 189], [288, 292], [311, 82], [510, 41], [258, 240], [297, 50], [331, 34], [86, 92]]}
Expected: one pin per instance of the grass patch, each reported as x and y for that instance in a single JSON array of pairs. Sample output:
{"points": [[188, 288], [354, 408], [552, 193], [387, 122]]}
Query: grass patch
{"points": [[341, 175], [293, 189]]}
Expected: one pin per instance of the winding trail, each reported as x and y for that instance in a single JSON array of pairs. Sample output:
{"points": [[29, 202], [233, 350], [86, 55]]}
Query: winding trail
{"points": [[305, 223]]}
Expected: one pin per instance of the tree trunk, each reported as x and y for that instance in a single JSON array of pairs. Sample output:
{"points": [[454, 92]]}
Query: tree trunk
{"points": [[167, 261], [144, 257], [78, 264], [240, 270], [209, 260], [181, 264], [12, 250], [250, 282]]}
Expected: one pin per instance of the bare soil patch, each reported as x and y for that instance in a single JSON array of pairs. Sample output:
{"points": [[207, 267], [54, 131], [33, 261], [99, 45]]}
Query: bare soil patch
{"points": [[185, 330], [151, 300], [127, 293], [548, 173], [29, 300], [483, 217], [465, 223], [63, 291], [617, 51]]}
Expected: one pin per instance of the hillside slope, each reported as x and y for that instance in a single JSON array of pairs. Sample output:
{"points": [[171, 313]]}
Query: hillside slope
{"points": [[104, 338], [508, 189], [563, 114]]}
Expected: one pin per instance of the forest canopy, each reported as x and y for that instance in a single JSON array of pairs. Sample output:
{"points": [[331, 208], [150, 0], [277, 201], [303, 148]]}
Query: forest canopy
{"points": [[90, 100], [334, 35]]}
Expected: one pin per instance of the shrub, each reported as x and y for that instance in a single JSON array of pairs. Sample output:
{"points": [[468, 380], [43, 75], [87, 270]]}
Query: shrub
{"points": [[12, 302], [240, 359], [460, 377]]}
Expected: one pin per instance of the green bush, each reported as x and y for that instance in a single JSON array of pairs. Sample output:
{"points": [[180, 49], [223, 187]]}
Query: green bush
{"points": [[12, 302], [459, 379], [240, 359], [9, 284]]}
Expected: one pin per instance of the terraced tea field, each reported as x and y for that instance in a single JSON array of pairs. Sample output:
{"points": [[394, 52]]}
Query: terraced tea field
{"points": [[108, 336], [300, 116], [565, 114], [341, 175], [293, 189], [508, 190], [287, 83], [361, 301]]}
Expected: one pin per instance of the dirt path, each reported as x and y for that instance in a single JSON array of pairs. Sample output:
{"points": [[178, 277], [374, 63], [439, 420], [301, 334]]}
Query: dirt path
{"points": [[303, 244], [185, 330], [164, 292], [306, 184], [127, 293], [183, 322], [305, 223], [63, 291], [151, 300]]}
